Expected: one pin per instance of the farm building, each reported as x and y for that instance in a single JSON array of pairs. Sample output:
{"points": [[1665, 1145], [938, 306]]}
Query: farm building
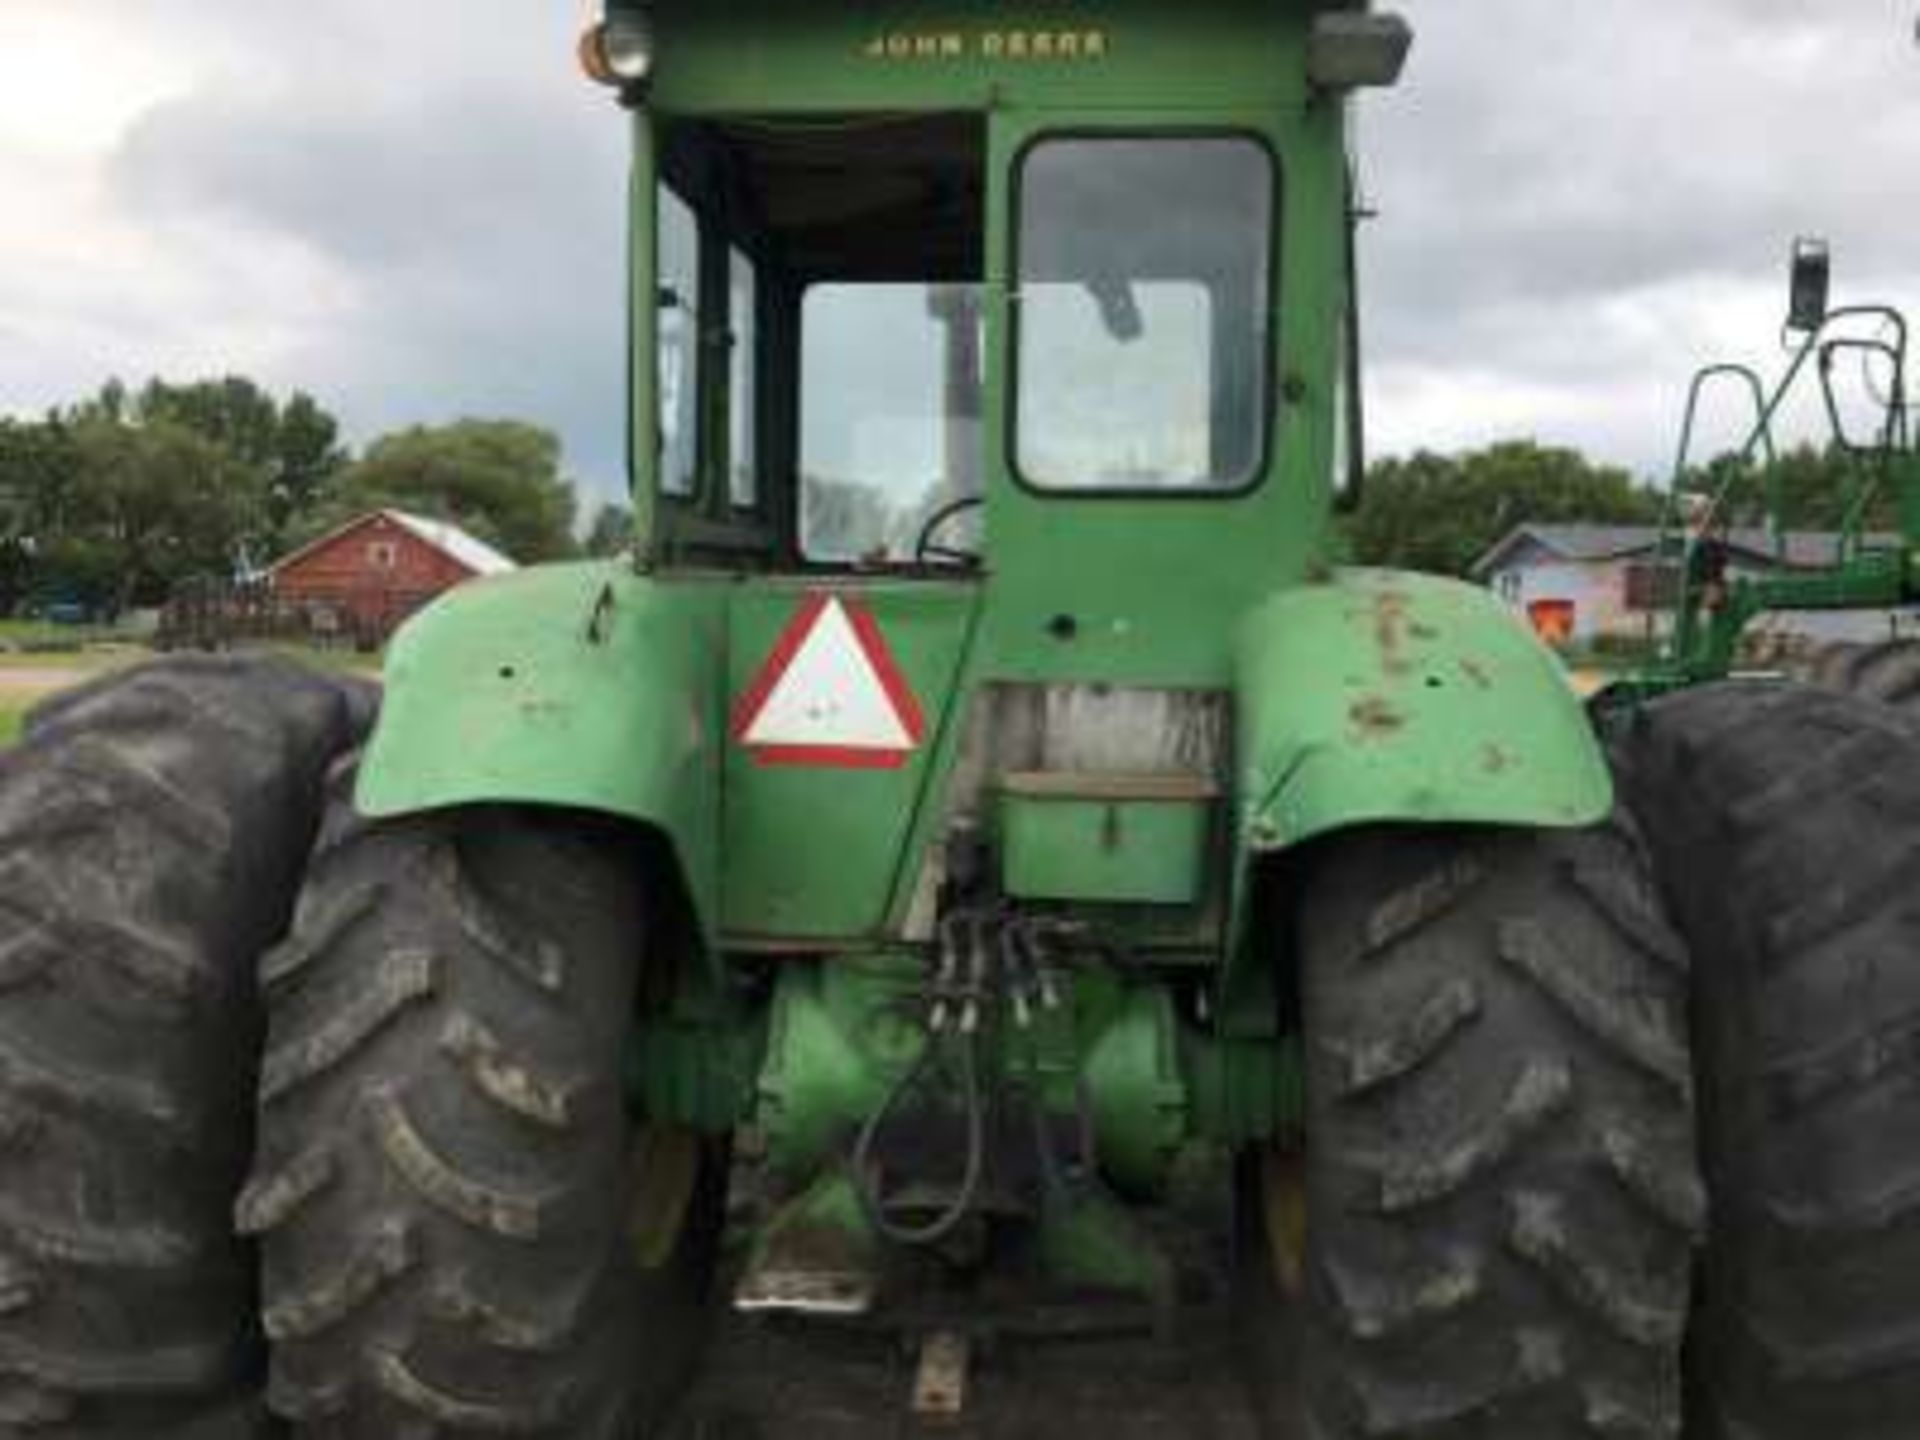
{"points": [[1584, 583], [370, 574]]}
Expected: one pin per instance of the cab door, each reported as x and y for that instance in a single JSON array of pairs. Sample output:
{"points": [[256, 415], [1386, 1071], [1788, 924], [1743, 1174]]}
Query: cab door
{"points": [[1158, 444]]}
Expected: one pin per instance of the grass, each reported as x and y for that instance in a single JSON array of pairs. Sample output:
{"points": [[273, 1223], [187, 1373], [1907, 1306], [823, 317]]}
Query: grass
{"points": [[112, 656], [36, 645], [65, 637], [81, 662], [10, 717]]}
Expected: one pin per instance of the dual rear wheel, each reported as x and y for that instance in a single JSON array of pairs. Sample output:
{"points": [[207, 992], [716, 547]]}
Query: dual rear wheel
{"points": [[152, 829], [466, 1231], [1786, 823], [453, 1225], [1515, 1263], [1887, 671]]}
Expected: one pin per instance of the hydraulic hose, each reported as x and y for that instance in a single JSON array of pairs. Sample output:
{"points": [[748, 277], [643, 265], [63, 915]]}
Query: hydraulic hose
{"points": [[866, 1175]]}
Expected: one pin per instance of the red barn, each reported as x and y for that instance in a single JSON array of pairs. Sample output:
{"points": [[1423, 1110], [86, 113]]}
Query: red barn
{"points": [[372, 573]]}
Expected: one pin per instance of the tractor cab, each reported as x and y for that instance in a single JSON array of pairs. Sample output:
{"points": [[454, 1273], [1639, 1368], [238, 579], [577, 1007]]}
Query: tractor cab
{"points": [[1129, 356], [1045, 306]]}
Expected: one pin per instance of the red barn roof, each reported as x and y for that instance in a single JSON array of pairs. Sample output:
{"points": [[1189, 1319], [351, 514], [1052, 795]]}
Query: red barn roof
{"points": [[469, 552]]}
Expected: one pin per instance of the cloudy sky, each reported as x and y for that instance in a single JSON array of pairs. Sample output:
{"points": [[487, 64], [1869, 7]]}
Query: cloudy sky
{"points": [[413, 207]]}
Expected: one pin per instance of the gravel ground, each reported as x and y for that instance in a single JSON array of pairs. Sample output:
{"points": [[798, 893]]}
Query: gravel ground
{"points": [[796, 1380], [793, 1382], [30, 682]]}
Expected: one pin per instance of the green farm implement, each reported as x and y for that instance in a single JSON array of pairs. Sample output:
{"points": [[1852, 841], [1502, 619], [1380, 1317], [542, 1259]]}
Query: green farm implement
{"points": [[978, 816], [1852, 361]]}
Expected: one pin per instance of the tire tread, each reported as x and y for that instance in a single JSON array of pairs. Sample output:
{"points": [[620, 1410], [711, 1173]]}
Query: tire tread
{"points": [[1784, 821], [153, 823], [1504, 1207]]}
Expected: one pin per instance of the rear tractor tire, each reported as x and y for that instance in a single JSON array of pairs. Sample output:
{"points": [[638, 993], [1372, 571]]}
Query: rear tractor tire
{"points": [[1501, 1206], [450, 1186], [1785, 822], [1887, 671], [152, 828]]}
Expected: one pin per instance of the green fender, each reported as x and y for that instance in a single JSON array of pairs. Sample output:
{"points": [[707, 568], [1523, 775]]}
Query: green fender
{"points": [[1379, 696], [1375, 697], [584, 686]]}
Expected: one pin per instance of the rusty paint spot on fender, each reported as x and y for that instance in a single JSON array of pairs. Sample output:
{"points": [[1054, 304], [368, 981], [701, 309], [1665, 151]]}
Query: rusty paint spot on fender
{"points": [[1390, 630], [1375, 718]]}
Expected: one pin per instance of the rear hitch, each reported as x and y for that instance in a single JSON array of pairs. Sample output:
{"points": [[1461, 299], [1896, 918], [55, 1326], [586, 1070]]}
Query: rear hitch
{"points": [[985, 1136]]}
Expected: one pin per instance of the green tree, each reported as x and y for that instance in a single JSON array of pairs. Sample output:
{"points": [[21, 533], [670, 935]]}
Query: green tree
{"points": [[294, 444], [611, 532], [116, 498], [499, 479], [232, 412], [1441, 513], [145, 507], [1816, 487], [110, 404], [39, 473]]}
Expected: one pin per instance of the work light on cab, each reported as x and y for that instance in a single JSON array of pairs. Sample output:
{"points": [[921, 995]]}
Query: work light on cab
{"points": [[619, 51], [1354, 50]]}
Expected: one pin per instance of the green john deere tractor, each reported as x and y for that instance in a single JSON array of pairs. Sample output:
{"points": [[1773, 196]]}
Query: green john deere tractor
{"points": [[976, 791], [978, 795]]}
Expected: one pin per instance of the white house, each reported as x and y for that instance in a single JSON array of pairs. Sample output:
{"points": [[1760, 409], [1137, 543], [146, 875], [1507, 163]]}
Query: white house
{"points": [[1581, 583]]}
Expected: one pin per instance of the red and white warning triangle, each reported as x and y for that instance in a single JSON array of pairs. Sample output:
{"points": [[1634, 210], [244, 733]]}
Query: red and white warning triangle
{"points": [[830, 694]]}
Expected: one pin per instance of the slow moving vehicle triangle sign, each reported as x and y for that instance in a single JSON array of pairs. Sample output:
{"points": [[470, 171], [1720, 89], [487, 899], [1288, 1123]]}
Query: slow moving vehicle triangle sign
{"points": [[830, 694]]}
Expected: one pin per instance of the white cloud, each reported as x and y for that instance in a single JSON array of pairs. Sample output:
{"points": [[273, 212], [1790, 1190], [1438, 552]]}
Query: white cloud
{"points": [[70, 85], [1581, 208], [414, 212], [415, 209]]}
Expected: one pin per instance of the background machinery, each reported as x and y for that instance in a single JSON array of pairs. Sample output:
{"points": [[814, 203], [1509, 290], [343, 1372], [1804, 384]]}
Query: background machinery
{"points": [[1853, 362]]}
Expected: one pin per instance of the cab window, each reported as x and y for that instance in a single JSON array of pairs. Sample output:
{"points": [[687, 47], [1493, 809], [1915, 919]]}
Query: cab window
{"points": [[1142, 330], [679, 310], [820, 331], [890, 418]]}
